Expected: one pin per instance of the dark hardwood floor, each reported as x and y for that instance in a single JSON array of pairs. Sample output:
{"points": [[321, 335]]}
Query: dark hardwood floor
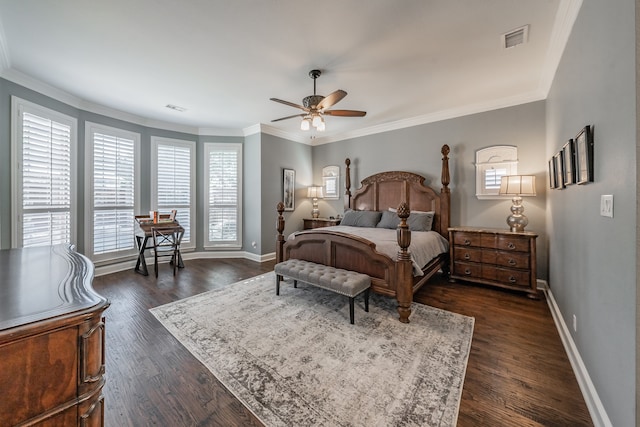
{"points": [[518, 373]]}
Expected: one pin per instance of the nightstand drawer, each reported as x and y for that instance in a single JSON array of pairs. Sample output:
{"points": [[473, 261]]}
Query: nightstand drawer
{"points": [[463, 253], [511, 243], [513, 277], [513, 259], [467, 239], [468, 269]]}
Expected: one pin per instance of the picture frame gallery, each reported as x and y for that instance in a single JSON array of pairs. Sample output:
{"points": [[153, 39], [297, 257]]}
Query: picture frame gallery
{"points": [[573, 164]]}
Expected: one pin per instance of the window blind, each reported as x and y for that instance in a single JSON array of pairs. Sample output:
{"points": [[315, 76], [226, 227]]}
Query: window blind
{"points": [[113, 193], [46, 181], [223, 170], [174, 176]]}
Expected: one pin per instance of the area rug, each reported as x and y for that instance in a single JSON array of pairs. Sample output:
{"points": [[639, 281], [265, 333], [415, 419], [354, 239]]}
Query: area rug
{"points": [[295, 360]]}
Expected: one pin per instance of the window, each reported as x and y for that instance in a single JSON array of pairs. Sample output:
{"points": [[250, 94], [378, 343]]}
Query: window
{"points": [[44, 181], [173, 182], [112, 191], [492, 164], [223, 195]]}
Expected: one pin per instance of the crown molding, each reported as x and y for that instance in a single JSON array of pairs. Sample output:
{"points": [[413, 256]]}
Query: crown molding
{"points": [[270, 130], [563, 25], [437, 116]]}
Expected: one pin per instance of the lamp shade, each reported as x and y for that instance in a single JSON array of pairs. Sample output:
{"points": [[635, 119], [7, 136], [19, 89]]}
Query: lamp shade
{"points": [[315, 192], [518, 185]]}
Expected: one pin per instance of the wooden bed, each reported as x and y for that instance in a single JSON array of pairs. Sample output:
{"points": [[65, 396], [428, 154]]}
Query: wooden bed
{"points": [[391, 277]]}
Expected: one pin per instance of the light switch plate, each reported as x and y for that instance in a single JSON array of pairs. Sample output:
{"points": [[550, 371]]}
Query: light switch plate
{"points": [[606, 205]]}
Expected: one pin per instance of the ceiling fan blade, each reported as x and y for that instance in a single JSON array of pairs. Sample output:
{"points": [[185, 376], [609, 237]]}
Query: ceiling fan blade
{"points": [[345, 113], [331, 99], [291, 104], [289, 117]]}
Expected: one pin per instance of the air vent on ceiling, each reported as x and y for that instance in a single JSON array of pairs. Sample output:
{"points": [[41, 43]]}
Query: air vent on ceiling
{"points": [[175, 107], [515, 37]]}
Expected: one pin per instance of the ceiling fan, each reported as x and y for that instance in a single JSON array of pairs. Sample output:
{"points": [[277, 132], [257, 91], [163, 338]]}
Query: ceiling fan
{"points": [[316, 106]]}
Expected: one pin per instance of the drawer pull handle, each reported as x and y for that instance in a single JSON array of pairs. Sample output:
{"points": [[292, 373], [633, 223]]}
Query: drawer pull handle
{"points": [[467, 242], [467, 256], [511, 245], [512, 261], [512, 279], [467, 271]]}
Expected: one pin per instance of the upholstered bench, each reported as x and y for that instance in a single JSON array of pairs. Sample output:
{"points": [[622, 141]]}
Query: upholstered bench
{"points": [[345, 282]]}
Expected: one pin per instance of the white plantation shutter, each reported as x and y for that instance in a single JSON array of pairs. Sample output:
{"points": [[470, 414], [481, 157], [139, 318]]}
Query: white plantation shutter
{"points": [[223, 182], [173, 182], [44, 146], [492, 178], [113, 191]]}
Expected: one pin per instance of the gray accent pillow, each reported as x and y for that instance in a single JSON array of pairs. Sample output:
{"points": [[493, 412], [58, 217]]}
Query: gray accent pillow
{"points": [[389, 220], [417, 221], [420, 221], [361, 218]]}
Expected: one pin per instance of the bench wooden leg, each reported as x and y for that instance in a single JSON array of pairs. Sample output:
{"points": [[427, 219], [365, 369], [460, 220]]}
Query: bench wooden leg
{"points": [[295, 283], [351, 309], [366, 300], [278, 277]]}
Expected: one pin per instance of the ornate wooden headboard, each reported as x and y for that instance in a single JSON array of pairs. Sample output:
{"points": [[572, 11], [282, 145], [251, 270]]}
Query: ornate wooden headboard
{"points": [[388, 189]]}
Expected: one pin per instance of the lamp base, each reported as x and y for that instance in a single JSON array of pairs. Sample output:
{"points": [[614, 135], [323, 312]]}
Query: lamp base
{"points": [[315, 212], [517, 221]]}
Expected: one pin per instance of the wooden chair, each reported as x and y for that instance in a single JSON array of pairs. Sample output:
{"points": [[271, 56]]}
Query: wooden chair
{"points": [[166, 243]]}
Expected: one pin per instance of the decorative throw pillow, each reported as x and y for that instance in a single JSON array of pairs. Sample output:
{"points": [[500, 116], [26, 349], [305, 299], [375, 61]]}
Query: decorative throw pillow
{"points": [[389, 220], [361, 218], [420, 221]]}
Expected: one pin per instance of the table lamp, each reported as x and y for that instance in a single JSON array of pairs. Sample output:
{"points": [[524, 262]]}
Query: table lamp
{"points": [[517, 186], [315, 193]]}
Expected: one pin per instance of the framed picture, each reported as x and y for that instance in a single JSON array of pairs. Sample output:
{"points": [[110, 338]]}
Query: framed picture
{"points": [[331, 182], [584, 156], [552, 173], [289, 189], [569, 162], [559, 169]]}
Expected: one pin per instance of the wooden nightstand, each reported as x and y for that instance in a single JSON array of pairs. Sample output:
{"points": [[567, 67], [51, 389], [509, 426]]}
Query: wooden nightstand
{"points": [[494, 257], [310, 223]]}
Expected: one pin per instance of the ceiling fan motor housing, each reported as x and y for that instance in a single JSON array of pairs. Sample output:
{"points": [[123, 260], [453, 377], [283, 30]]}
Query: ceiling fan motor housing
{"points": [[312, 101]]}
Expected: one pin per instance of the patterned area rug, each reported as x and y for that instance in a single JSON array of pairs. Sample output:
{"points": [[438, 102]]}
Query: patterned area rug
{"points": [[295, 360]]}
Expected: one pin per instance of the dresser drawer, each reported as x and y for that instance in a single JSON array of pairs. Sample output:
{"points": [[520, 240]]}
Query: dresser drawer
{"points": [[513, 259], [512, 243], [467, 239], [468, 269], [462, 253]]}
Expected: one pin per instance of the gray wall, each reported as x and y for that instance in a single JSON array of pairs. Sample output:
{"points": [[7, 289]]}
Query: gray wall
{"points": [[592, 268], [278, 154], [522, 126]]}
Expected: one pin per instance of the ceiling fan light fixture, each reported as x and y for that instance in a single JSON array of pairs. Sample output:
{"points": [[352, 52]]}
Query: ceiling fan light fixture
{"points": [[316, 120], [320, 127], [305, 124]]}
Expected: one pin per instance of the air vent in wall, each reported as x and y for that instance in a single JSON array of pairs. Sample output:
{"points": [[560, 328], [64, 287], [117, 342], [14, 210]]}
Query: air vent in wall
{"points": [[515, 37], [175, 107]]}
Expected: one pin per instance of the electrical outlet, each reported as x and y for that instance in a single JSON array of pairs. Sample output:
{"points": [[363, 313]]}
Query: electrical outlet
{"points": [[606, 205], [575, 323]]}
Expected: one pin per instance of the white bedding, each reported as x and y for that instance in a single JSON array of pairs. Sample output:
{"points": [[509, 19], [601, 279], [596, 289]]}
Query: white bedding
{"points": [[425, 245]]}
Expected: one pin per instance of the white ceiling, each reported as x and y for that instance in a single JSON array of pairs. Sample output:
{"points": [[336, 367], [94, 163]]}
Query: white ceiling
{"points": [[404, 62]]}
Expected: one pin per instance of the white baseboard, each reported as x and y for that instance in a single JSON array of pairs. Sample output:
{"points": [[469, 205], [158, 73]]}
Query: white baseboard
{"points": [[130, 264], [594, 404]]}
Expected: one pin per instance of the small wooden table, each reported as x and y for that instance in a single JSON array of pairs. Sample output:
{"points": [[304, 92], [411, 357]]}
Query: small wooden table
{"points": [[143, 234]]}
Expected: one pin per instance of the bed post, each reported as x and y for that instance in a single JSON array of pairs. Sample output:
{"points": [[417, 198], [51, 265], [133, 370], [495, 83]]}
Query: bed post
{"points": [[347, 184], [445, 197], [404, 268], [280, 228]]}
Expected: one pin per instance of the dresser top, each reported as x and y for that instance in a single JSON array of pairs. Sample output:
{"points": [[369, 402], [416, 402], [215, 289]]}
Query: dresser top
{"points": [[44, 282], [487, 230]]}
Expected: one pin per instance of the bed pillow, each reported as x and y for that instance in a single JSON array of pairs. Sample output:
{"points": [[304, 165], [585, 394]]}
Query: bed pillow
{"points": [[420, 221], [417, 221], [389, 220], [361, 218]]}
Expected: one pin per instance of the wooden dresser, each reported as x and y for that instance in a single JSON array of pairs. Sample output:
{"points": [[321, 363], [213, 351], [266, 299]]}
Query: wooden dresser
{"points": [[310, 223], [494, 257], [52, 353]]}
